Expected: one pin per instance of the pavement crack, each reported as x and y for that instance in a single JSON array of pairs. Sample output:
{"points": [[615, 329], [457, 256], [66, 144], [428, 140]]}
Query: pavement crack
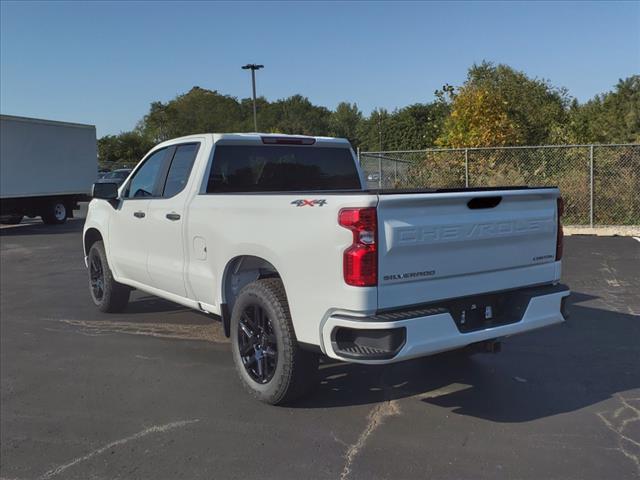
{"points": [[618, 423], [207, 332], [147, 431], [335, 438], [376, 417]]}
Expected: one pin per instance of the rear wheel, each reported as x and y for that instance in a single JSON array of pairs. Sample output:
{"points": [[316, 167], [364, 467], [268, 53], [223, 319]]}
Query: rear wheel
{"points": [[107, 294], [265, 350], [55, 213]]}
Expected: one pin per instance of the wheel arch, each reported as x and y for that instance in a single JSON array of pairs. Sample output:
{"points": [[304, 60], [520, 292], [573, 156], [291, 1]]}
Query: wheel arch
{"points": [[240, 271], [91, 236]]}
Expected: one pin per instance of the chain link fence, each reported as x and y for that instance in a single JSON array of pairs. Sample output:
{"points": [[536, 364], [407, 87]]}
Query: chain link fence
{"points": [[599, 183]]}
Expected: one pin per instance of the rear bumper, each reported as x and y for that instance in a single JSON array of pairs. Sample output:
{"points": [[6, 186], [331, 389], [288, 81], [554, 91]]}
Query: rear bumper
{"points": [[432, 329]]}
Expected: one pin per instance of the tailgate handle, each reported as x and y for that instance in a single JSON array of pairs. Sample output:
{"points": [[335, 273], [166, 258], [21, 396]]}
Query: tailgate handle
{"points": [[483, 202]]}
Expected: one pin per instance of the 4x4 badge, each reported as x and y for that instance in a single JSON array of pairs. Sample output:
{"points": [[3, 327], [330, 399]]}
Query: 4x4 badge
{"points": [[310, 203]]}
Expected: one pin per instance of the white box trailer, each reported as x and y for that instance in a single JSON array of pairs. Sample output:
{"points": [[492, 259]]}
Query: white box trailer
{"points": [[46, 168]]}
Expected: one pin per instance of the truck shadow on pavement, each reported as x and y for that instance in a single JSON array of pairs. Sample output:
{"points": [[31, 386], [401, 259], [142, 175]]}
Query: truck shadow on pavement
{"points": [[147, 304], [36, 227], [590, 358]]}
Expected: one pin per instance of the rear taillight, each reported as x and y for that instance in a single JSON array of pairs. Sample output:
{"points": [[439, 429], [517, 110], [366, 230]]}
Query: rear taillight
{"points": [[560, 238], [360, 260]]}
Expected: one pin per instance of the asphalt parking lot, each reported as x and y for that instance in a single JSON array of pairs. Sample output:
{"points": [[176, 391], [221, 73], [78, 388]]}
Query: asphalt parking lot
{"points": [[152, 393]]}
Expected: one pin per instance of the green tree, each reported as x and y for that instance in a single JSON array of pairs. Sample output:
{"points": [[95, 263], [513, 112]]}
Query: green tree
{"points": [[417, 126], [296, 115], [265, 119], [496, 105], [127, 147], [155, 126], [411, 128], [343, 122], [197, 111], [521, 110], [479, 118], [612, 117], [372, 131]]}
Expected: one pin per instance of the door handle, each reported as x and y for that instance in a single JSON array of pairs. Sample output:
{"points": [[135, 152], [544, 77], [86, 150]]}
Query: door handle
{"points": [[173, 216], [138, 214]]}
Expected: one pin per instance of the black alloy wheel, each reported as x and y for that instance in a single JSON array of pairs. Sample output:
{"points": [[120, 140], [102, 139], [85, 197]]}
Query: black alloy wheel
{"points": [[257, 344], [96, 277]]}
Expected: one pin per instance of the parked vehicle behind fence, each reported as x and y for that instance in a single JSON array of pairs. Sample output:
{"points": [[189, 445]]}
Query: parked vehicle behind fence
{"points": [[279, 236], [116, 176]]}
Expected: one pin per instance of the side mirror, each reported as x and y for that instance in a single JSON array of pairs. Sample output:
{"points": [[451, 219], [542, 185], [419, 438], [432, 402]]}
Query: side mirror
{"points": [[105, 191]]}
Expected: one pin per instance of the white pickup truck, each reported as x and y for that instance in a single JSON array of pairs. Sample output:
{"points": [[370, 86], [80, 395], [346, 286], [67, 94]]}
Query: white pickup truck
{"points": [[279, 237]]}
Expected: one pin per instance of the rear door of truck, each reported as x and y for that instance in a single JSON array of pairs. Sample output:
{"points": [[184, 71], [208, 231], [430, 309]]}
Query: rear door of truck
{"points": [[448, 244]]}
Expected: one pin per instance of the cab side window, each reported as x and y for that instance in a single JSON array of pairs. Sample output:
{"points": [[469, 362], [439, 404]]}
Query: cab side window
{"points": [[143, 184], [180, 169]]}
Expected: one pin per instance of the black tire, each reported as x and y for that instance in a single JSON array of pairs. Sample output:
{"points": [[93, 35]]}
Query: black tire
{"points": [[11, 220], [107, 294], [55, 213], [295, 370]]}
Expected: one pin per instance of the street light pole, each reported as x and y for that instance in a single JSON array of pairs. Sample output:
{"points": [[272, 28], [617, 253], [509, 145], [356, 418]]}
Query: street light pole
{"points": [[253, 67]]}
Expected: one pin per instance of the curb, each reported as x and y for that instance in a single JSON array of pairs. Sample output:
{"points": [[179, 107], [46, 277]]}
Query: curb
{"points": [[605, 231]]}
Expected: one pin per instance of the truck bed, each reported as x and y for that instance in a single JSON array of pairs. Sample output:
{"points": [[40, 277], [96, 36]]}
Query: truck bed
{"points": [[400, 191]]}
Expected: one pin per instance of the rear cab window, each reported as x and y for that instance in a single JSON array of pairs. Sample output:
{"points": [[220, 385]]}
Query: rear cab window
{"points": [[281, 168]]}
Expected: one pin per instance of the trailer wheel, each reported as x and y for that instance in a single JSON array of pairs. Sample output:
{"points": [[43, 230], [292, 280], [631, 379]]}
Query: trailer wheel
{"points": [[271, 365], [11, 220], [107, 294], [55, 213]]}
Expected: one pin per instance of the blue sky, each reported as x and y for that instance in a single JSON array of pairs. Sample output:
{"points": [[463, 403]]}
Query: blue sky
{"points": [[105, 62]]}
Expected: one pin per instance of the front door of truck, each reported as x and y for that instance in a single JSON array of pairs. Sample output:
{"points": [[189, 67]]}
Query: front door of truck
{"points": [[129, 233], [166, 216]]}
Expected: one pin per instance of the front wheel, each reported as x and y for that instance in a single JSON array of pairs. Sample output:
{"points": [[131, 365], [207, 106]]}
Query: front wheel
{"points": [[265, 350], [107, 294]]}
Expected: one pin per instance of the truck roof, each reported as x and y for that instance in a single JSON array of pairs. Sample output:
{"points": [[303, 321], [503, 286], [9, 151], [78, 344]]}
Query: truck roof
{"points": [[256, 138]]}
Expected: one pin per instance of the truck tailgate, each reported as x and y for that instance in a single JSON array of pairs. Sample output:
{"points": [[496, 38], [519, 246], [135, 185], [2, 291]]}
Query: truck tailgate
{"points": [[434, 246]]}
